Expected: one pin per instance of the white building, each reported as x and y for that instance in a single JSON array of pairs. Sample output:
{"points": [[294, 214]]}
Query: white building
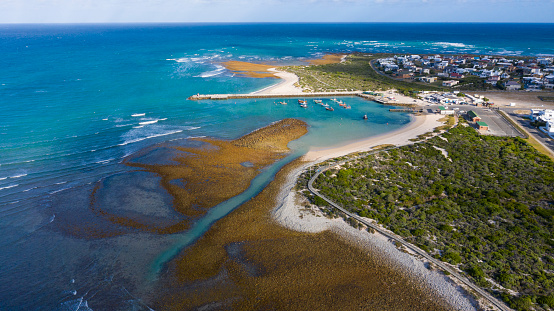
{"points": [[545, 115], [550, 127]]}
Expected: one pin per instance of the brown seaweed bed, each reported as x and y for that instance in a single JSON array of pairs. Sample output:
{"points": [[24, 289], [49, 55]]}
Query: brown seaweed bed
{"points": [[246, 261]]}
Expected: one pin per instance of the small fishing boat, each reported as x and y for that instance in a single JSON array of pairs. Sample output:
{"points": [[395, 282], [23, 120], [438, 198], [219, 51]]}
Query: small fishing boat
{"points": [[300, 101], [347, 107], [340, 102], [318, 101], [283, 103], [330, 108], [342, 105], [365, 117], [304, 105], [325, 105]]}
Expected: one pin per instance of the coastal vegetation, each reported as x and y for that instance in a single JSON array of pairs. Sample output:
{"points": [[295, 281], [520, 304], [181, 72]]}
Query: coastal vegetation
{"points": [[248, 261], [355, 73], [483, 204]]}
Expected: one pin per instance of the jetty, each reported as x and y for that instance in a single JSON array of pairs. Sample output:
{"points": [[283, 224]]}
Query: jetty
{"points": [[413, 110], [253, 95], [380, 99]]}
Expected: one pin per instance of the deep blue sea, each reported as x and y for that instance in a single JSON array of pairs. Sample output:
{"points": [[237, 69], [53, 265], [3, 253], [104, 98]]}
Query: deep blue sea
{"points": [[75, 100]]}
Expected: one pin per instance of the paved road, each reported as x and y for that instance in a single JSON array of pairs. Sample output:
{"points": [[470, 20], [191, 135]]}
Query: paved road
{"points": [[498, 304], [540, 136]]}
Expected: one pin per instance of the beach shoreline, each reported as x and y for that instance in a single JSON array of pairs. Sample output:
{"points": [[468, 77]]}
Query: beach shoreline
{"points": [[291, 211], [420, 124], [286, 86]]}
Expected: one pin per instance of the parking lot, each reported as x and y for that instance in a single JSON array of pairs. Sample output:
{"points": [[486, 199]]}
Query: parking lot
{"points": [[498, 126]]}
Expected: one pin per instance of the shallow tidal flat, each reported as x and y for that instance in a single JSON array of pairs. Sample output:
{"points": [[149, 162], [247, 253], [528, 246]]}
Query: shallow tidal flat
{"points": [[246, 261], [205, 175]]}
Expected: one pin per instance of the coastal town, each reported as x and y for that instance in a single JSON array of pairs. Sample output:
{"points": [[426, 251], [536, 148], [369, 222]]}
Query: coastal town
{"points": [[470, 71]]}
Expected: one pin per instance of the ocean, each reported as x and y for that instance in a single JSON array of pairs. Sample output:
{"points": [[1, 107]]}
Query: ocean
{"points": [[78, 99]]}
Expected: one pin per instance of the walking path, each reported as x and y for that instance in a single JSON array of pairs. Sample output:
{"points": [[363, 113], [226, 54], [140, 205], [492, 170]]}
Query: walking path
{"points": [[492, 300]]}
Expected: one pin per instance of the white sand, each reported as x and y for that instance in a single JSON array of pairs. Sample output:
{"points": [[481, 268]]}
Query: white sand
{"points": [[284, 87], [420, 125], [292, 215]]}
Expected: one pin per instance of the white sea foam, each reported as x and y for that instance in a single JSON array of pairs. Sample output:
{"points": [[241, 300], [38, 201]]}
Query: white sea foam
{"points": [[56, 191], [453, 44], [18, 176], [138, 127], [8, 187], [220, 69], [104, 161], [147, 137], [138, 115], [2, 178], [121, 125], [148, 122]]}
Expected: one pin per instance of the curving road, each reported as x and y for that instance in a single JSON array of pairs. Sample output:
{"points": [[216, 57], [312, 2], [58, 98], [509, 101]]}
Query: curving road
{"points": [[492, 300]]}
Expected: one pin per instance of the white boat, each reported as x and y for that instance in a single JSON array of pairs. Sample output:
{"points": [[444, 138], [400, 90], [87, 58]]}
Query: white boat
{"points": [[325, 105], [318, 101], [340, 102], [283, 103]]}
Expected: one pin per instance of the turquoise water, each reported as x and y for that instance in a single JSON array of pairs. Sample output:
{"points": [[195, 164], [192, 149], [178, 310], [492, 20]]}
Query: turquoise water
{"points": [[77, 99]]}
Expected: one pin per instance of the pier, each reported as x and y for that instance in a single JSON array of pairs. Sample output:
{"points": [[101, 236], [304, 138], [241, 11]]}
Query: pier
{"points": [[252, 95], [413, 110], [410, 107]]}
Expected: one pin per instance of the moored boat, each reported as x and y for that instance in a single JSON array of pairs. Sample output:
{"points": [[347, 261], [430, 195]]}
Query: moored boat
{"points": [[330, 108], [283, 103], [365, 117]]}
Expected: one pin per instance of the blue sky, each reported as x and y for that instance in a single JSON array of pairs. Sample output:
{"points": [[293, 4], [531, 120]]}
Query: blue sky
{"points": [[124, 11]]}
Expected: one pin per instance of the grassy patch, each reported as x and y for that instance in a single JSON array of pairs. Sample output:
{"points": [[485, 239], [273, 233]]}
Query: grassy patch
{"points": [[355, 73]]}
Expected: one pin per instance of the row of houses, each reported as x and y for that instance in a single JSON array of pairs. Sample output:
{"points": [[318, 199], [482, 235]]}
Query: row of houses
{"points": [[531, 73]]}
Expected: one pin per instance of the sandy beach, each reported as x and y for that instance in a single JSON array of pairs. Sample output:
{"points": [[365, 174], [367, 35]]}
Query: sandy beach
{"points": [[419, 125], [293, 213], [294, 217], [286, 86]]}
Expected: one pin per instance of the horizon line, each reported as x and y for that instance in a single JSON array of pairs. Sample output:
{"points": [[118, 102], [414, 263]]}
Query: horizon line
{"points": [[268, 23]]}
